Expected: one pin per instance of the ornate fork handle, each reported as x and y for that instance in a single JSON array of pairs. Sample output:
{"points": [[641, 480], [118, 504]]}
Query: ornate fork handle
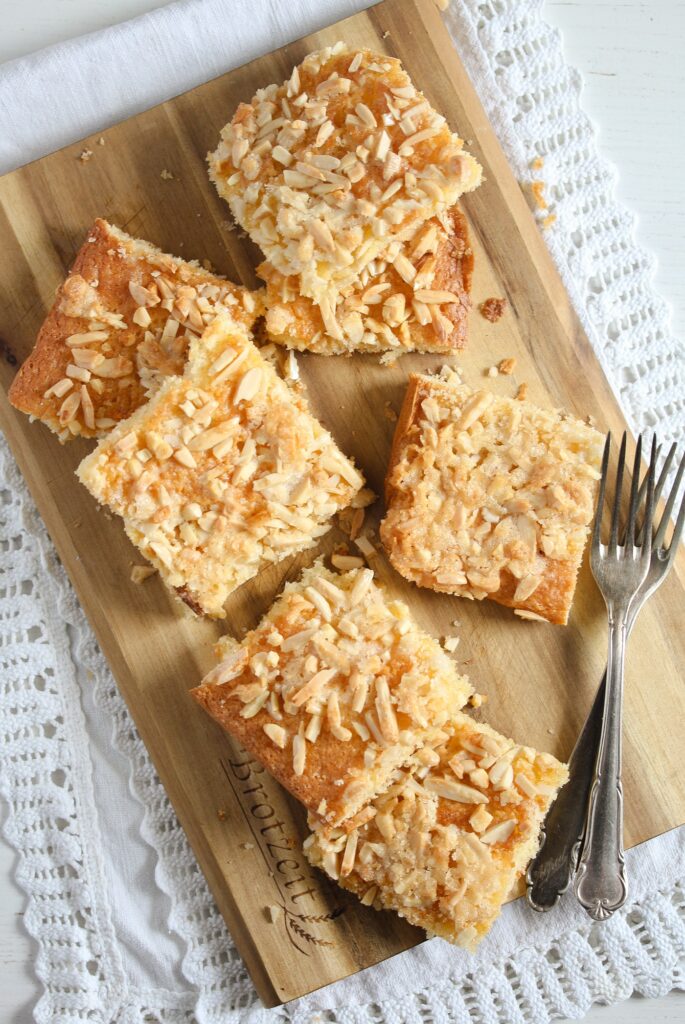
{"points": [[601, 884], [551, 871]]}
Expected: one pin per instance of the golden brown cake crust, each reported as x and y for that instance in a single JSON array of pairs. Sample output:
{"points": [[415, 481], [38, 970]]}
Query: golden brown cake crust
{"points": [[440, 260], [341, 676], [97, 297], [554, 576]]}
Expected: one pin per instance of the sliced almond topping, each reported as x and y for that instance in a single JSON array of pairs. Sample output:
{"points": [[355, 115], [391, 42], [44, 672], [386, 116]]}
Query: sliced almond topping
{"points": [[473, 409], [143, 296], [185, 457], [142, 317], [480, 819], [434, 297], [299, 754], [365, 115], [86, 338], [349, 854], [501, 774], [276, 733], [313, 687], [319, 602], [362, 583], [69, 408], [59, 389], [498, 833], [78, 373], [525, 785], [386, 712], [88, 409], [457, 791], [404, 268], [249, 385]]}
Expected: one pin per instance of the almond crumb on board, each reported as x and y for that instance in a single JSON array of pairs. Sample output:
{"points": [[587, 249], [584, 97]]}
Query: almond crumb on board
{"points": [[477, 700], [101, 140], [140, 573], [507, 366], [523, 613], [85, 155], [273, 913], [450, 643], [389, 413], [166, 175], [221, 814], [247, 846], [365, 546], [492, 371], [522, 392], [493, 309]]}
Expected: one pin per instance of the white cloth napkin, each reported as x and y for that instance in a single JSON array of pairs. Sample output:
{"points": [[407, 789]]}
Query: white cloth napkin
{"points": [[123, 919]]}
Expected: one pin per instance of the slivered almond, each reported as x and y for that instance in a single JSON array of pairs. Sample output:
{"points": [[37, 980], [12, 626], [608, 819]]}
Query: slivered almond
{"points": [[498, 833], [434, 296], [299, 754], [69, 408], [473, 409], [404, 268], [361, 586], [86, 338], [449, 789], [249, 385], [349, 854], [276, 734], [143, 296], [319, 602], [313, 687], [141, 317], [385, 711], [59, 389], [365, 115], [185, 457], [321, 234], [88, 409]]}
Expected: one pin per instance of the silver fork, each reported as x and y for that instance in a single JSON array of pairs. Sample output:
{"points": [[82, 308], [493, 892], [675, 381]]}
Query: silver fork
{"points": [[601, 885], [550, 872]]}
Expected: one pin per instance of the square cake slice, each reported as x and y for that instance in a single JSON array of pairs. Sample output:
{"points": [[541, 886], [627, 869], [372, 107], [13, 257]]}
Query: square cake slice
{"points": [[490, 497], [122, 320], [415, 298], [446, 842], [224, 471], [334, 690], [325, 170]]}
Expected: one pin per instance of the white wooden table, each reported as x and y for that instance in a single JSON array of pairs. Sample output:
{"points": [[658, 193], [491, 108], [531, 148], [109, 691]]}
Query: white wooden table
{"points": [[630, 56]]}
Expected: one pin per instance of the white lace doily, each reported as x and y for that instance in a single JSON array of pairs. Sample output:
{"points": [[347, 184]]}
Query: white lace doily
{"points": [[66, 735]]}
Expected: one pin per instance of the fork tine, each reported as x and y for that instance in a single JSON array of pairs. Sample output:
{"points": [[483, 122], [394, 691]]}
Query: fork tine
{"points": [[665, 469], [597, 529], [634, 488], [677, 532], [613, 536], [661, 531], [649, 506]]}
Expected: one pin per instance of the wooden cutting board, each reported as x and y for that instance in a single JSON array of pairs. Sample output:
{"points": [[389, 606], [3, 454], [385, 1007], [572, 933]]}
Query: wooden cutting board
{"points": [[539, 679]]}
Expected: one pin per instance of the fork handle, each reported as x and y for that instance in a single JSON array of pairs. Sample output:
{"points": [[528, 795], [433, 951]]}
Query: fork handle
{"points": [[601, 885], [550, 872]]}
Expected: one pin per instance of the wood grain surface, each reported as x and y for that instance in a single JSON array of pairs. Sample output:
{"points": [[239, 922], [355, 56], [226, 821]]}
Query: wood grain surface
{"points": [[539, 679]]}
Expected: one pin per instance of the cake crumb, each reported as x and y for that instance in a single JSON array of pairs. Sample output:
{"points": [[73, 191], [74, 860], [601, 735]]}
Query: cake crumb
{"points": [[506, 366], [140, 573], [476, 700], [389, 413], [492, 371], [493, 309], [166, 175], [221, 814], [522, 392], [247, 846], [450, 643], [85, 155], [538, 189], [101, 140]]}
